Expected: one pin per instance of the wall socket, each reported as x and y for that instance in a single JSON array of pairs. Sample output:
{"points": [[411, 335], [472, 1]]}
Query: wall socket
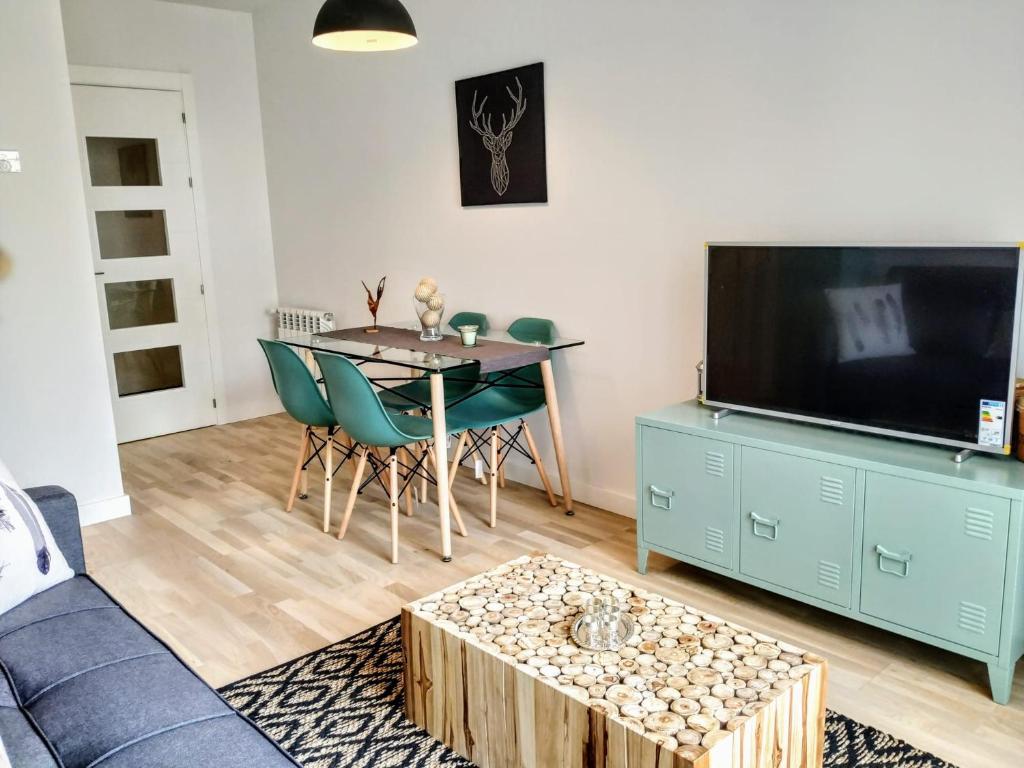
{"points": [[10, 161]]}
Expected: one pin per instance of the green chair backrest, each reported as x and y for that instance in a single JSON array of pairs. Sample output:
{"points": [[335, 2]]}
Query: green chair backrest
{"points": [[528, 329], [532, 329], [356, 405], [296, 386], [470, 318]]}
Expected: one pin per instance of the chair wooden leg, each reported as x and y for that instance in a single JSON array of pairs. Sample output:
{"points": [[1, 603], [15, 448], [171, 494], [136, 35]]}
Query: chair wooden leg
{"points": [[501, 476], [299, 461], [451, 498], [393, 502], [328, 478], [459, 448], [540, 464], [408, 486], [494, 477], [357, 478]]}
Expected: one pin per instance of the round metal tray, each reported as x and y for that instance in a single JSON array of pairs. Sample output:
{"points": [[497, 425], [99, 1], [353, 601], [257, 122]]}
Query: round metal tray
{"points": [[627, 626]]}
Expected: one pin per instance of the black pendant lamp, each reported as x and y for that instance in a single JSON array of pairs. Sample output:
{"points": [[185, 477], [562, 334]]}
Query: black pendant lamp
{"points": [[364, 25]]}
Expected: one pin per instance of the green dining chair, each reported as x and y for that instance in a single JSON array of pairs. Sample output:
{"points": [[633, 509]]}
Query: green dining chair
{"points": [[300, 395], [358, 410], [510, 398], [415, 395], [470, 318]]}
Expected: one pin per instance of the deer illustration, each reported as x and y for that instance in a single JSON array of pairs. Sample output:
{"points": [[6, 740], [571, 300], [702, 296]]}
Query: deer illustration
{"points": [[498, 144]]}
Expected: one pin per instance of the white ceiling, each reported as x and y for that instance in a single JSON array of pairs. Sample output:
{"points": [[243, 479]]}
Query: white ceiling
{"points": [[229, 5]]}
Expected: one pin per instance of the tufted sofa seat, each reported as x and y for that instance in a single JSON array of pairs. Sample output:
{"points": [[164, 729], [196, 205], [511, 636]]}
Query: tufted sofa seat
{"points": [[84, 685]]}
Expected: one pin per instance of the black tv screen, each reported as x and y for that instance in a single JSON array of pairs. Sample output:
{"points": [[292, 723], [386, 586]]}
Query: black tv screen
{"points": [[913, 340]]}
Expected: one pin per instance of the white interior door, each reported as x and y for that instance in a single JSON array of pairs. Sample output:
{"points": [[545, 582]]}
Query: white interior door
{"points": [[142, 222]]}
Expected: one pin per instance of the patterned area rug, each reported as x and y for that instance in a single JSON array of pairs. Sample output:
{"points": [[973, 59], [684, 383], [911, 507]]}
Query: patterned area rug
{"points": [[342, 706]]}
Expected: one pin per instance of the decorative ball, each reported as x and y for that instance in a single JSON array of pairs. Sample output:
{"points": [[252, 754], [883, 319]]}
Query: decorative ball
{"points": [[431, 282], [431, 318], [435, 302], [424, 292]]}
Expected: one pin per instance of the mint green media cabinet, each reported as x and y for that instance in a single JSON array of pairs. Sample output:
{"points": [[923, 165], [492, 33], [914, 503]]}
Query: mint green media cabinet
{"points": [[891, 533]]}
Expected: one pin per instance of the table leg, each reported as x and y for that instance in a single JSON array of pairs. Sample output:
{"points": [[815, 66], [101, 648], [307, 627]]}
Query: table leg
{"points": [[437, 415], [556, 433]]}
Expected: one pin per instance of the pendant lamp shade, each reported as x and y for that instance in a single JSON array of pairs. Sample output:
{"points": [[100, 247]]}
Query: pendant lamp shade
{"points": [[364, 25]]}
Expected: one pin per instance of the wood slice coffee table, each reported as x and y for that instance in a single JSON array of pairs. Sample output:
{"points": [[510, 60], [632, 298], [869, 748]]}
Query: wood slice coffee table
{"points": [[491, 670]]}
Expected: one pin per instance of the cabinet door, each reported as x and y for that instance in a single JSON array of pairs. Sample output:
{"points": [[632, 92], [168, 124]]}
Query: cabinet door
{"points": [[934, 559], [688, 495], [796, 528]]}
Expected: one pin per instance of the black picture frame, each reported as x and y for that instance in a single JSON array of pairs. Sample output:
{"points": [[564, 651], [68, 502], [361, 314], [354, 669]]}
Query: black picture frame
{"points": [[502, 144]]}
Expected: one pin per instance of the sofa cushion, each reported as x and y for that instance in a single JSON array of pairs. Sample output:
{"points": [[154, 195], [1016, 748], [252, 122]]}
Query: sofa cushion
{"points": [[224, 742], [46, 654], [101, 711], [74, 595], [25, 749], [106, 693], [30, 560]]}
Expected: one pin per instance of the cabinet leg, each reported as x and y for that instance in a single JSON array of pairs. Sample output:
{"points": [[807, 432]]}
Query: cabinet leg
{"points": [[641, 559], [1001, 681]]}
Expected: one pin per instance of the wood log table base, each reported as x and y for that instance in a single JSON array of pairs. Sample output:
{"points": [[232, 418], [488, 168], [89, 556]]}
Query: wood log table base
{"points": [[492, 671]]}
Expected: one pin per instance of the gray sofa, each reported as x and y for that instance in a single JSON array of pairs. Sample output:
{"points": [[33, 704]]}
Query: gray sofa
{"points": [[84, 685]]}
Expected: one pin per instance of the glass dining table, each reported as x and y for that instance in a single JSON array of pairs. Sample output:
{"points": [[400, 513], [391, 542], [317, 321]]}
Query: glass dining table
{"points": [[419, 360]]}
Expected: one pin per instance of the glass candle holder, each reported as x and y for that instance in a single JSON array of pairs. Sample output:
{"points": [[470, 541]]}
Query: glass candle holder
{"points": [[468, 333]]}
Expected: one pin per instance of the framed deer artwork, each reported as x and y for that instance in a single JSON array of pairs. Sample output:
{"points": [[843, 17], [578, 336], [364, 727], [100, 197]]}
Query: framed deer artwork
{"points": [[502, 155]]}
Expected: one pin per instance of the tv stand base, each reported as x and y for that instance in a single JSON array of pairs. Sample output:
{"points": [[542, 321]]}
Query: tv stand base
{"points": [[721, 413], [961, 456]]}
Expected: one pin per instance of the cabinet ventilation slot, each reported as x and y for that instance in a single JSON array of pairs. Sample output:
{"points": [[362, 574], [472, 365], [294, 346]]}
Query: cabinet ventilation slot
{"points": [[714, 463], [833, 490], [714, 539], [978, 523], [828, 574], [972, 617]]}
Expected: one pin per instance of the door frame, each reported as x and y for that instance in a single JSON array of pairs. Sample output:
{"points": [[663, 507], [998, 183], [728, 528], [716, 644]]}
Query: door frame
{"points": [[179, 82]]}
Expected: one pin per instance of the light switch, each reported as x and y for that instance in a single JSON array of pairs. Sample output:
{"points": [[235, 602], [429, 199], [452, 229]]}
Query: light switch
{"points": [[10, 161]]}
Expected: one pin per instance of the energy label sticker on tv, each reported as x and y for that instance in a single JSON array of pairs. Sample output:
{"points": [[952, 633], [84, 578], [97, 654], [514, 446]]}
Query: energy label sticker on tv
{"points": [[991, 416]]}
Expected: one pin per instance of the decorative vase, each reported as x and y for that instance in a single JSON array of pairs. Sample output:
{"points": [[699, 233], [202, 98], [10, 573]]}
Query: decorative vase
{"points": [[430, 319]]}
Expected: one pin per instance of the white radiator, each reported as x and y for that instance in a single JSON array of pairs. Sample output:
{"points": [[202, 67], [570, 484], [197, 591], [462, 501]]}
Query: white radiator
{"points": [[292, 321]]}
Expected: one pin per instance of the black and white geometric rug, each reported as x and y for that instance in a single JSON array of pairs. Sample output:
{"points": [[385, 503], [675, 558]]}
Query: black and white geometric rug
{"points": [[342, 706]]}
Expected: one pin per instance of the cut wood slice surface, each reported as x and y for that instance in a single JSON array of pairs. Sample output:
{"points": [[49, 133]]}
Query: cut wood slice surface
{"points": [[685, 679]]}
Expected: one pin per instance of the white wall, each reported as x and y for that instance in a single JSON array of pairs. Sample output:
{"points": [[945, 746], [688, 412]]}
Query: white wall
{"points": [[669, 123], [216, 48], [56, 424]]}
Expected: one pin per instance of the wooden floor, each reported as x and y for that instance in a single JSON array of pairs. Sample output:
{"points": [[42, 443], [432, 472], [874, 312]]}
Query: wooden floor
{"points": [[211, 562]]}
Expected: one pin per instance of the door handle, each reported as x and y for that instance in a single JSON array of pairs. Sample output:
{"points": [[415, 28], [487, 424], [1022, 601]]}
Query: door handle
{"points": [[884, 555], [97, 274], [763, 523], [657, 493]]}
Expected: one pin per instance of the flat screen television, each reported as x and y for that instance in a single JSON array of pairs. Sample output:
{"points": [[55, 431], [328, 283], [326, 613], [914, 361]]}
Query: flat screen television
{"points": [[913, 341]]}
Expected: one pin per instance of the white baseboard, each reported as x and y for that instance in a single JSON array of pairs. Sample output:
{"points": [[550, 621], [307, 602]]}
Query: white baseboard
{"points": [[104, 509], [602, 498]]}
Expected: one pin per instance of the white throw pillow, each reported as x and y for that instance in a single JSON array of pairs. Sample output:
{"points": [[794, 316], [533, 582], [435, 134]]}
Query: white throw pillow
{"points": [[30, 561], [870, 322], [6, 477]]}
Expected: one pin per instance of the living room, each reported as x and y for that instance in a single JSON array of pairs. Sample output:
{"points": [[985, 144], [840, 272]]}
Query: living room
{"points": [[323, 316]]}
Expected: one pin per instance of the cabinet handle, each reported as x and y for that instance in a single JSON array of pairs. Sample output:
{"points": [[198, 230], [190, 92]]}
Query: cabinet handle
{"points": [[884, 555], [657, 493], [761, 523]]}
